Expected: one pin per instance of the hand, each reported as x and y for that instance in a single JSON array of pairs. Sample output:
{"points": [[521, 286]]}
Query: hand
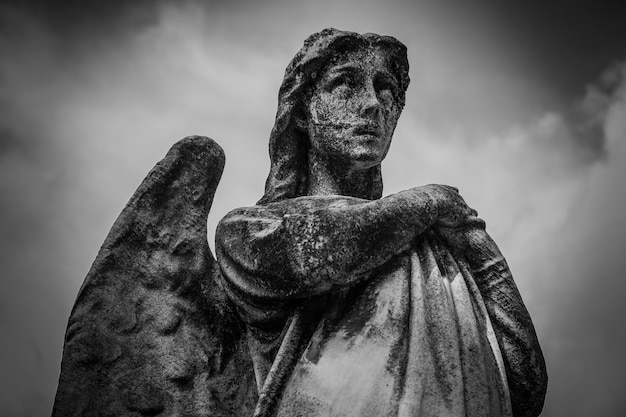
{"points": [[453, 211], [457, 223]]}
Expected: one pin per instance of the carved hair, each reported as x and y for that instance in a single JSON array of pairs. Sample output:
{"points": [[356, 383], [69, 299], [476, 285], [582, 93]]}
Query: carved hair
{"points": [[289, 140]]}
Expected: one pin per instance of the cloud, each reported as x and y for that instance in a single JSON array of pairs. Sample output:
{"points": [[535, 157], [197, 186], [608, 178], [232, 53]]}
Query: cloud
{"points": [[69, 108], [87, 110], [552, 191], [588, 352]]}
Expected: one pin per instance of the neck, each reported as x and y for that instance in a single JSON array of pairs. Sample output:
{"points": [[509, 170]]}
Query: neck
{"points": [[326, 178]]}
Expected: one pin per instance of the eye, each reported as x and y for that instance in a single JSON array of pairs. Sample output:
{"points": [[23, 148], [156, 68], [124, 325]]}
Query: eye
{"points": [[342, 84], [183, 247], [386, 85]]}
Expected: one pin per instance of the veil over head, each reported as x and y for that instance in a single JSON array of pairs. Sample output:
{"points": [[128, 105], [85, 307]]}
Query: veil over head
{"points": [[289, 141]]}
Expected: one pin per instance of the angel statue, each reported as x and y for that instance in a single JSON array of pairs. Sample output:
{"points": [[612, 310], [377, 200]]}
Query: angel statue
{"points": [[326, 298]]}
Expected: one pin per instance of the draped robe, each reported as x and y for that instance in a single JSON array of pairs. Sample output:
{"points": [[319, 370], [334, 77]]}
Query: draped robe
{"points": [[422, 331]]}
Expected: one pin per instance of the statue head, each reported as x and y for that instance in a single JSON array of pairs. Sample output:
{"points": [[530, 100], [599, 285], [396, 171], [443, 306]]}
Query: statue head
{"points": [[341, 97]]}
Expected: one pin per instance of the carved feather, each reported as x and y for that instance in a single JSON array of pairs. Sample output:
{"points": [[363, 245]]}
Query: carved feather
{"points": [[151, 332]]}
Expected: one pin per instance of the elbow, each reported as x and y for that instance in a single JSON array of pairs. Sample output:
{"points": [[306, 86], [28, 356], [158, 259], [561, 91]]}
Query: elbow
{"points": [[259, 259]]}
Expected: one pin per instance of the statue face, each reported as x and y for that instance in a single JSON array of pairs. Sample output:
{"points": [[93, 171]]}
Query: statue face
{"points": [[353, 110]]}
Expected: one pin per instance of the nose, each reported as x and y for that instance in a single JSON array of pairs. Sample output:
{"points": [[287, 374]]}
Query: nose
{"points": [[371, 106]]}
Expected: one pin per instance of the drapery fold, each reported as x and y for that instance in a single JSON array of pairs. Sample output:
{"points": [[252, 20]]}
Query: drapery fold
{"points": [[394, 317], [415, 340]]}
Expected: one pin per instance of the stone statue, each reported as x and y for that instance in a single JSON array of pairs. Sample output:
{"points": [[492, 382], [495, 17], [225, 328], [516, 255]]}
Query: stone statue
{"points": [[327, 299]]}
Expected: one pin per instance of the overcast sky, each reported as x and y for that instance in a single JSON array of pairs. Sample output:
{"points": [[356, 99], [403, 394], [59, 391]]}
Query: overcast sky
{"points": [[521, 105]]}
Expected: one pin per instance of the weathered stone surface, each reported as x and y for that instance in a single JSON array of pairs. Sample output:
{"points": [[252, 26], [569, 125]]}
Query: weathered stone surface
{"points": [[335, 300], [357, 305], [151, 332]]}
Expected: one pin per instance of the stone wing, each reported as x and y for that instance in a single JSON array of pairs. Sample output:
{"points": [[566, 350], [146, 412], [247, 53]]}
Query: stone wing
{"points": [[151, 332]]}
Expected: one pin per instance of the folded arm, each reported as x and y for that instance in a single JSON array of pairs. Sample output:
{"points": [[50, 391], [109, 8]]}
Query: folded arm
{"points": [[523, 359], [309, 245]]}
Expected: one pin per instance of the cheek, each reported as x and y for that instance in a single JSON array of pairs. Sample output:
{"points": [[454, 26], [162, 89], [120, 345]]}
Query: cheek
{"points": [[332, 109]]}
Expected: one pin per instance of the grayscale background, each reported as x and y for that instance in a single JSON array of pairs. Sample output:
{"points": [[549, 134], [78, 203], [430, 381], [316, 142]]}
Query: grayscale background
{"points": [[520, 104]]}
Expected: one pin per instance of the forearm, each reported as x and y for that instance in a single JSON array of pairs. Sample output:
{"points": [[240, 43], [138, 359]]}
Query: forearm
{"points": [[525, 366], [309, 245]]}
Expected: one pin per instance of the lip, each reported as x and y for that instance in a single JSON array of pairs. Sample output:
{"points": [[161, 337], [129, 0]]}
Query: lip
{"points": [[367, 129]]}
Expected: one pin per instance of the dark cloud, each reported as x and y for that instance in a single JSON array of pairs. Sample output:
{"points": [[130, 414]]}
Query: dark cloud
{"points": [[509, 101], [9, 140], [75, 18], [588, 116], [571, 41]]}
